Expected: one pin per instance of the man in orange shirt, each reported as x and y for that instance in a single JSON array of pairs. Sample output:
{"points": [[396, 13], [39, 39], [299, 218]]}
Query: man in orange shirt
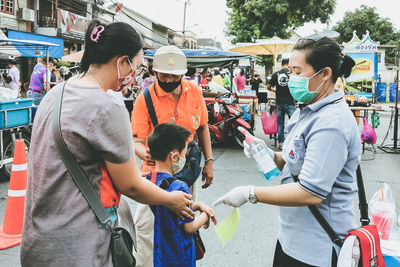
{"points": [[178, 101]]}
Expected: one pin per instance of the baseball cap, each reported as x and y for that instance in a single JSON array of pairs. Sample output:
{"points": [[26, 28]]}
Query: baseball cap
{"points": [[171, 60]]}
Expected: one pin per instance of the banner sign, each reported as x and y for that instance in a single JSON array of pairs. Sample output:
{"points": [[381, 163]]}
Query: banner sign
{"points": [[364, 73]]}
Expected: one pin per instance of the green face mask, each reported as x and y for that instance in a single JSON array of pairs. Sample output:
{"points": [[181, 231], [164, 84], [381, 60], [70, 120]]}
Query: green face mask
{"points": [[298, 87]]}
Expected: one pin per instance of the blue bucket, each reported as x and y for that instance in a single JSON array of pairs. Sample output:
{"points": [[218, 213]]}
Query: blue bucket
{"points": [[392, 93], [381, 89]]}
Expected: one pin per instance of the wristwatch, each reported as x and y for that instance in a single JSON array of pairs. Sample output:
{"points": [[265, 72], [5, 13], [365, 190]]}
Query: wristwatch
{"points": [[208, 159], [252, 196]]}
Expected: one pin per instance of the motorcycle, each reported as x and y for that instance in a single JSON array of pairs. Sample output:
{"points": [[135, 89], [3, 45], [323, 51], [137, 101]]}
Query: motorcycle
{"points": [[224, 118]]}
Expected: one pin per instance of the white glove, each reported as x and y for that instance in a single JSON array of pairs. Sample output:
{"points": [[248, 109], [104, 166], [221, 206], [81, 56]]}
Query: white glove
{"points": [[235, 198], [247, 150]]}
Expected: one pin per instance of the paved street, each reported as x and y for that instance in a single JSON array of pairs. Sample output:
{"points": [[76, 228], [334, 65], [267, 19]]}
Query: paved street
{"points": [[255, 239]]}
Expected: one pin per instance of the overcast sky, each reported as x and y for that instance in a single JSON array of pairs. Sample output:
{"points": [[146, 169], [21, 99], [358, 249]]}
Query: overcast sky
{"points": [[207, 18]]}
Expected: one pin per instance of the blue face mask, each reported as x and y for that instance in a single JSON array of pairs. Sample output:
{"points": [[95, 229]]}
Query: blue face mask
{"points": [[298, 87]]}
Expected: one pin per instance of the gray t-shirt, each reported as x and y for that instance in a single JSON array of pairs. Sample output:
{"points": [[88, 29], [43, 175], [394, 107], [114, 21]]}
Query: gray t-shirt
{"points": [[323, 148], [60, 229]]}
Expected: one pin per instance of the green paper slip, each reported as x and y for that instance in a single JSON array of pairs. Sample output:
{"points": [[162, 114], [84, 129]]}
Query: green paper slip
{"points": [[227, 228]]}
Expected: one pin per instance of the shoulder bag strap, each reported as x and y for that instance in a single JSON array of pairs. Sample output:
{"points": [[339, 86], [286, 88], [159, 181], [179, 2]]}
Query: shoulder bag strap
{"points": [[321, 220], [362, 205], [150, 106], [73, 168]]}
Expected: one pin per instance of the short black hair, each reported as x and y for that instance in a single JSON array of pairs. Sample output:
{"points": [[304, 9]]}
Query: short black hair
{"points": [[324, 52], [51, 59], [165, 138], [12, 61], [190, 72], [285, 61]]}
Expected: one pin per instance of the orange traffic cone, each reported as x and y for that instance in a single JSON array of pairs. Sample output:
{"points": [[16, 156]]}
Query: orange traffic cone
{"points": [[11, 230]]}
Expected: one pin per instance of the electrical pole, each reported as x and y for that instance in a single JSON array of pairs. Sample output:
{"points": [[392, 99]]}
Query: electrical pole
{"points": [[184, 23], [396, 111]]}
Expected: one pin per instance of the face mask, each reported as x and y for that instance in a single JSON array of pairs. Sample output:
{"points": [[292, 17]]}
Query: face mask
{"points": [[178, 166], [124, 82], [169, 86], [298, 87]]}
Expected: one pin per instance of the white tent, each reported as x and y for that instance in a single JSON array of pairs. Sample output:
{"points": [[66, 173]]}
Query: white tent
{"points": [[7, 50]]}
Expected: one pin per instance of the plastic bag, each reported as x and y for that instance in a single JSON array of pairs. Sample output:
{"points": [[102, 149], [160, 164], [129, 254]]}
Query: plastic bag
{"points": [[368, 134], [382, 211], [269, 123], [375, 121]]}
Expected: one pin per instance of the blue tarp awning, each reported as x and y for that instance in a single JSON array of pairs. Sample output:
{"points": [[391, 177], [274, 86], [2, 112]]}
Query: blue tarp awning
{"points": [[202, 53], [205, 58], [54, 51]]}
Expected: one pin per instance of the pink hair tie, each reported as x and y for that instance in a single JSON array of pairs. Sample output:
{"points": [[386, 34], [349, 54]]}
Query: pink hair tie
{"points": [[95, 35]]}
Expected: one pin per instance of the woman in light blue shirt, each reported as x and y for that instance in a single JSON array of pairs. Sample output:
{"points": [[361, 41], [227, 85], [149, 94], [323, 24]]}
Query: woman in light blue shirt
{"points": [[322, 149]]}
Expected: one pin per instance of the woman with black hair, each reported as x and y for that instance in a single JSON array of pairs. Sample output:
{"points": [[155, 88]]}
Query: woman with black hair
{"points": [[318, 162], [60, 229]]}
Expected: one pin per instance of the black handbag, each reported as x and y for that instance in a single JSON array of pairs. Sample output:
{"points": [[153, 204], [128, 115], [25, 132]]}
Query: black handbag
{"points": [[192, 169], [122, 243]]}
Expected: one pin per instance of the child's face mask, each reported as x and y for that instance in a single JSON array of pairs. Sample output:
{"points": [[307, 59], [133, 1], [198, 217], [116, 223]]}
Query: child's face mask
{"points": [[177, 166]]}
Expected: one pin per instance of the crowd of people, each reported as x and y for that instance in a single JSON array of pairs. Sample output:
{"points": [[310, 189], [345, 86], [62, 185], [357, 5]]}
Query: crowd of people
{"points": [[118, 109]]}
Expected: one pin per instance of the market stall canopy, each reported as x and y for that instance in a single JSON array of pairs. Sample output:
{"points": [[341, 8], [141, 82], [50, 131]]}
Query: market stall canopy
{"points": [[74, 57], [26, 46], [34, 45], [7, 50], [206, 58], [273, 46]]}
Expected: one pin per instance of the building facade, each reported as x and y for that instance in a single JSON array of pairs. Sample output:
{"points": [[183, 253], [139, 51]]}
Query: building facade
{"points": [[208, 44], [154, 34]]}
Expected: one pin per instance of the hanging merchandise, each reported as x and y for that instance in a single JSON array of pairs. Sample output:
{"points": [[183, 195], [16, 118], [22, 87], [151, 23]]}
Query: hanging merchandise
{"points": [[368, 134], [375, 121]]}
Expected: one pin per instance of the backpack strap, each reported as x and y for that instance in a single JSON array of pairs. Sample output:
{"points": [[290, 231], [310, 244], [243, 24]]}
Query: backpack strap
{"points": [[167, 182], [153, 177], [150, 106]]}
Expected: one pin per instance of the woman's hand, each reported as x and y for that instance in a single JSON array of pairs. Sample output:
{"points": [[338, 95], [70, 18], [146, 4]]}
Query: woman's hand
{"points": [[148, 159], [179, 203], [235, 198]]}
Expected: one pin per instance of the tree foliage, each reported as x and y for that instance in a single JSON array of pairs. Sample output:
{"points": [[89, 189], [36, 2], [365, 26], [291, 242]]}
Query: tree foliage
{"points": [[366, 18], [363, 19], [258, 19]]}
